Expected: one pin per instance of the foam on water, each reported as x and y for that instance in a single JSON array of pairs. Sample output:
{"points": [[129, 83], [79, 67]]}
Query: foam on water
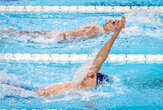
{"points": [[83, 70], [143, 23], [83, 95], [13, 34], [11, 86], [11, 91]]}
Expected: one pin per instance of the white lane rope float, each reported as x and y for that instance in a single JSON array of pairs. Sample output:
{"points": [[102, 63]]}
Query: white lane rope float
{"points": [[4, 8], [149, 58]]}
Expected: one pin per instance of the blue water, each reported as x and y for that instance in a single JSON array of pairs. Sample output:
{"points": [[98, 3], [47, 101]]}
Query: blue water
{"points": [[138, 86], [142, 35], [84, 2], [134, 87]]}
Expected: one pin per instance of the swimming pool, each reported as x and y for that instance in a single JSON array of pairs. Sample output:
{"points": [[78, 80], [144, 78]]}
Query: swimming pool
{"points": [[83, 2], [135, 85]]}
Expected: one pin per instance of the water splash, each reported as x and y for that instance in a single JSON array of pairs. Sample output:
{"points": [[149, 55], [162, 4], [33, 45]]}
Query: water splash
{"points": [[143, 23], [11, 86], [84, 69]]}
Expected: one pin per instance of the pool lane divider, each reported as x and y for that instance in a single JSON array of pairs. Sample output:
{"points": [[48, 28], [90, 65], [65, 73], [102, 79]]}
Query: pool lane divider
{"points": [[78, 8], [148, 58]]}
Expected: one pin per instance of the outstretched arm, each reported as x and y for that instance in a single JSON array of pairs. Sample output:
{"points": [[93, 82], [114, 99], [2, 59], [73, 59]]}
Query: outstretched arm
{"points": [[104, 52], [85, 31]]}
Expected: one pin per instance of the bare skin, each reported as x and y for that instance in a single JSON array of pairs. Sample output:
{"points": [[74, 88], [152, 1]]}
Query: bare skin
{"points": [[90, 79], [83, 32]]}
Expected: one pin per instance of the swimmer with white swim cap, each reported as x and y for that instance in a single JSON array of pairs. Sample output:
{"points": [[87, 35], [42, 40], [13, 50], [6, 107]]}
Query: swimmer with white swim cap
{"points": [[93, 78]]}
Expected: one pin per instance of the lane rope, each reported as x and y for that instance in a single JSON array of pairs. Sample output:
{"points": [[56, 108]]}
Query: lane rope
{"points": [[80, 57], [78, 8]]}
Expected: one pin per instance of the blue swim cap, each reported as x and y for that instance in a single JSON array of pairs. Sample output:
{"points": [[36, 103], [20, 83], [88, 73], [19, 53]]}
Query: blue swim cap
{"points": [[101, 78]]}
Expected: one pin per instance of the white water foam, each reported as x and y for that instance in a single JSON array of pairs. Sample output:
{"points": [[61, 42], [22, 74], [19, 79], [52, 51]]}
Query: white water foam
{"points": [[14, 34], [84, 69], [8, 90], [11, 90], [143, 23]]}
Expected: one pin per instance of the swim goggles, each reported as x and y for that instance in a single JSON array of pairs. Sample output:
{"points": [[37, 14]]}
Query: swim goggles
{"points": [[118, 21]]}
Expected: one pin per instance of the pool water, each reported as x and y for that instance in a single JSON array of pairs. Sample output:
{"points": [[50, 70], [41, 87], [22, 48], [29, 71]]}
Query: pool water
{"points": [[84, 2], [142, 35], [135, 85]]}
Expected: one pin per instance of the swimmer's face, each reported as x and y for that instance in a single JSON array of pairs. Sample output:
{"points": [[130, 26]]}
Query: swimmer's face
{"points": [[111, 25], [89, 81]]}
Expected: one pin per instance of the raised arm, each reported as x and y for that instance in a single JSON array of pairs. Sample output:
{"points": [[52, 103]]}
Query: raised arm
{"points": [[104, 51]]}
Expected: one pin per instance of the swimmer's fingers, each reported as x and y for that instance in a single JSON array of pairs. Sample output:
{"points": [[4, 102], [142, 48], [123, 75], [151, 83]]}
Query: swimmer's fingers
{"points": [[123, 21], [121, 24]]}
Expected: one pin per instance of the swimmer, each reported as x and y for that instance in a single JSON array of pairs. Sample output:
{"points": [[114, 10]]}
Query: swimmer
{"points": [[84, 32], [93, 77]]}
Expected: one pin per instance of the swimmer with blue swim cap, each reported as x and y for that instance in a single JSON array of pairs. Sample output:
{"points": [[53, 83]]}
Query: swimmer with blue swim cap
{"points": [[93, 77]]}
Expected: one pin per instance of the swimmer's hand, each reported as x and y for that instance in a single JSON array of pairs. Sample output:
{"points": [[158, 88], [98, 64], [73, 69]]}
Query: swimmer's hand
{"points": [[121, 24]]}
